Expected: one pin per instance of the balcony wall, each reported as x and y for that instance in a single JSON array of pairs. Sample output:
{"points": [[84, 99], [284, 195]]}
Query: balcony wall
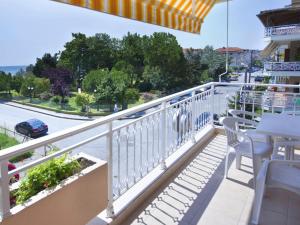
{"points": [[283, 33], [283, 69]]}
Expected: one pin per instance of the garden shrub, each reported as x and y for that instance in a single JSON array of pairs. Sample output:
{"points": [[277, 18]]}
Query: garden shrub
{"points": [[132, 95], [45, 175], [145, 86], [56, 99], [45, 96], [147, 97], [65, 100], [83, 100]]}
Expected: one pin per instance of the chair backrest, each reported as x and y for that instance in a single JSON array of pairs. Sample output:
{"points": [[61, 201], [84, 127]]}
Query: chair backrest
{"points": [[232, 130], [244, 114]]}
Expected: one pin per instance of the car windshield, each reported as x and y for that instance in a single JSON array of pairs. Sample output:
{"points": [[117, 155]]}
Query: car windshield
{"points": [[35, 123]]}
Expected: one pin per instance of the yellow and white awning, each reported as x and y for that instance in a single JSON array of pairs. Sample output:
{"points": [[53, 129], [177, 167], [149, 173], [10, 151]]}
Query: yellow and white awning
{"points": [[184, 15]]}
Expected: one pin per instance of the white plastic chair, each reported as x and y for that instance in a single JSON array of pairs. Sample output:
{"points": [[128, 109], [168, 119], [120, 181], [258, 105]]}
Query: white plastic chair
{"points": [[252, 124], [243, 114], [243, 145], [282, 174]]}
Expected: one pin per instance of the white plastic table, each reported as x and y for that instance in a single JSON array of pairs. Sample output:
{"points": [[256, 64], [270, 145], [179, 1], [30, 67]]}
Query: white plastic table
{"points": [[280, 125]]}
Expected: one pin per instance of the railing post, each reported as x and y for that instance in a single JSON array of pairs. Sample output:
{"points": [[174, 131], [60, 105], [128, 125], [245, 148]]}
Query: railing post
{"points": [[194, 116], [109, 140], [5, 198], [294, 104], [164, 136], [212, 104]]}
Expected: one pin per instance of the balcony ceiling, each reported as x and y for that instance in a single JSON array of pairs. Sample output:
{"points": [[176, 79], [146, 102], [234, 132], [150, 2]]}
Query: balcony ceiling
{"points": [[277, 17]]}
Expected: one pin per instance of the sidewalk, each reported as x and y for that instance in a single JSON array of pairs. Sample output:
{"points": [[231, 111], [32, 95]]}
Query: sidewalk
{"points": [[47, 112]]}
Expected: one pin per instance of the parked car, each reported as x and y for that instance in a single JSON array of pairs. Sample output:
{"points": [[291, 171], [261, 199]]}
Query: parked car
{"points": [[32, 128], [258, 79], [233, 78], [135, 115], [180, 98]]}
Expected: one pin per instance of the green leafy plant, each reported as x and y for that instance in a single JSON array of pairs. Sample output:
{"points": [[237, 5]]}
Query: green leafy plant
{"points": [[46, 175], [56, 99], [84, 100]]}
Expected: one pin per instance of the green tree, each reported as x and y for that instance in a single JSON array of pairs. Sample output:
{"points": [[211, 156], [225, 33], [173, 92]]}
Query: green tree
{"points": [[75, 56], [41, 85], [16, 82], [33, 86], [132, 52], [214, 62], [258, 63], [5, 81], [195, 69], [153, 75], [128, 69], [102, 52], [132, 95], [93, 79], [163, 51], [42, 64], [112, 88], [84, 100]]}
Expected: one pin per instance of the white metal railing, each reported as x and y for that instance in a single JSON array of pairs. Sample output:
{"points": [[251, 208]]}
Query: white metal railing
{"points": [[282, 66], [282, 30], [134, 148]]}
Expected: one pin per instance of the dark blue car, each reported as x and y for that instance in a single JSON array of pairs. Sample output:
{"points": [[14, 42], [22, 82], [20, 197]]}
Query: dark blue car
{"points": [[32, 128]]}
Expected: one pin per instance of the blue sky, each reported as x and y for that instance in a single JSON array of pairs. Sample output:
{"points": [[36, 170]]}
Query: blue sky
{"points": [[29, 28]]}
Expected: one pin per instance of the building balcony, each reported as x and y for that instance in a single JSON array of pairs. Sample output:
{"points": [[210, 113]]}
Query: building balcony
{"points": [[282, 69], [166, 167], [283, 33]]}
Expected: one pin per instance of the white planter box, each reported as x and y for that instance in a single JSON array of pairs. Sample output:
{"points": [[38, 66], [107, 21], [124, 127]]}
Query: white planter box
{"points": [[75, 201]]}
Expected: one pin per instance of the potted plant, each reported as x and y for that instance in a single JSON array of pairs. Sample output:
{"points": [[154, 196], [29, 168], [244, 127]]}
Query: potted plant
{"points": [[60, 191]]}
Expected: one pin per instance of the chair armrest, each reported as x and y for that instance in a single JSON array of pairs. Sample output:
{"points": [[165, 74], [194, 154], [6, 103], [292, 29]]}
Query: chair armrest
{"points": [[237, 113], [246, 122], [262, 174]]}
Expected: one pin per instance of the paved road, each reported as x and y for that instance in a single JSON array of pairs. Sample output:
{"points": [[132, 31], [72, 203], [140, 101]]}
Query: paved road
{"points": [[10, 116]]}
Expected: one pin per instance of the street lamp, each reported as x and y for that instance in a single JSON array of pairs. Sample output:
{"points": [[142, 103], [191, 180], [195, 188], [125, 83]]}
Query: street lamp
{"points": [[30, 88], [227, 42], [95, 91]]}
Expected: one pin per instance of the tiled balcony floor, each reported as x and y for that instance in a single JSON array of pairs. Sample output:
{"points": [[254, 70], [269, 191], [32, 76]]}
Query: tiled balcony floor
{"points": [[198, 194]]}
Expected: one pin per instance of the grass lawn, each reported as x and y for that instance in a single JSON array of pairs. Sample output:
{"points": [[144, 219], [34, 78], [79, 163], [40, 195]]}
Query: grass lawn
{"points": [[71, 105], [6, 142]]}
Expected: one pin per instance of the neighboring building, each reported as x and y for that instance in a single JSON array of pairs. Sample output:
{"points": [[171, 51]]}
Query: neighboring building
{"points": [[240, 57], [282, 30]]}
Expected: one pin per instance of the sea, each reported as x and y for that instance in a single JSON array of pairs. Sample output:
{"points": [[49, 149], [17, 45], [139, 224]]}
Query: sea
{"points": [[12, 69]]}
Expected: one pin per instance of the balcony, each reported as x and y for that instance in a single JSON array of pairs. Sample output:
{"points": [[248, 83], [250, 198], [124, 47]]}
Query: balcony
{"points": [[283, 69], [283, 33], [166, 167]]}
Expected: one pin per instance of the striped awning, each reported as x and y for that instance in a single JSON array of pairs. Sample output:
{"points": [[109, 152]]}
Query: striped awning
{"points": [[184, 15]]}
